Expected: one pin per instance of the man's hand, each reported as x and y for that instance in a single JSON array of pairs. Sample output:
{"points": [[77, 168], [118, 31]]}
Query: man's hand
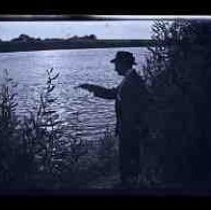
{"points": [[99, 91]]}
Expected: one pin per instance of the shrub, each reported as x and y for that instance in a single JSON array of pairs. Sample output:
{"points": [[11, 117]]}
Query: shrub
{"points": [[8, 130], [40, 151], [178, 74]]}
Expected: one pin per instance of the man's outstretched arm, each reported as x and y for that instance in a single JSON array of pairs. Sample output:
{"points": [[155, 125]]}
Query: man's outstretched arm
{"points": [[99, 91]]}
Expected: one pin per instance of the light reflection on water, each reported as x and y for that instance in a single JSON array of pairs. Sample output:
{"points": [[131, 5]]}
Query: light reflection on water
{"points": [[75, 67]]}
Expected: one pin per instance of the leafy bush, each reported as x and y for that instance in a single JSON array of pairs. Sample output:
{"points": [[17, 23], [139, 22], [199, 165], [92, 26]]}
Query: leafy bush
{"points": [[178, 74]]}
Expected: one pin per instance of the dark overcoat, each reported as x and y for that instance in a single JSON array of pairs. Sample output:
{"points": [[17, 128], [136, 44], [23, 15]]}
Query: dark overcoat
{"points": [[131, 98]]}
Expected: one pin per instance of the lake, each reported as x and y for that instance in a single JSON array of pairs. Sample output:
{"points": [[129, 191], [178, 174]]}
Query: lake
{"points": [[94, 115]]}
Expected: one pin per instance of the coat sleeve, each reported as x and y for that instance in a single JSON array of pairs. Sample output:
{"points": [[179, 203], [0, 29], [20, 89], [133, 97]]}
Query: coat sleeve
{"points": [[105, 93]]}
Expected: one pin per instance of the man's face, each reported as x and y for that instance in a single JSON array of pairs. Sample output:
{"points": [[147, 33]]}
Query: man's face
{"points": [[120, 67]]}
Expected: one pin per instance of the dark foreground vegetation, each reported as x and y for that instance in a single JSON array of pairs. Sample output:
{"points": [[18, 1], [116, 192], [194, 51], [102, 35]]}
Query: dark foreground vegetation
{"points": [[179, 73], [37, 153], [176, 154]]}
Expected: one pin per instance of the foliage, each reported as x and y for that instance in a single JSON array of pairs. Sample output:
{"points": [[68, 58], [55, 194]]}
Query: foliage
{"points": [[178, 74], [40, 151], [8, 127]]}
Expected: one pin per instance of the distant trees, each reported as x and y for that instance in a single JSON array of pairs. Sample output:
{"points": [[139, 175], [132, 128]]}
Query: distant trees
{"points": [[90, 37], [86, 37], [27, 38], [23, 38], [26, 43]]}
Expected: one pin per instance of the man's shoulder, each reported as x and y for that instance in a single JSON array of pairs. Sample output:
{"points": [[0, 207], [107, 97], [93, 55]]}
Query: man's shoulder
{"points": [[134, 88], [134, 80]]}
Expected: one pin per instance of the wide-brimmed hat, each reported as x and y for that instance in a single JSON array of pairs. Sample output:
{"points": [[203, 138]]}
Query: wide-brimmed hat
{"points": [[125, 57]]}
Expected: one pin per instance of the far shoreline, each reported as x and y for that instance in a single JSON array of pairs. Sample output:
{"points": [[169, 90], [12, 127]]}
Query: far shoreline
{"points": [[8, 47]]}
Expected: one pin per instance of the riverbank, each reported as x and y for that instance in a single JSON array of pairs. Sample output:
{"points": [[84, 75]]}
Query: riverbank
{"points": [[9, 46]]}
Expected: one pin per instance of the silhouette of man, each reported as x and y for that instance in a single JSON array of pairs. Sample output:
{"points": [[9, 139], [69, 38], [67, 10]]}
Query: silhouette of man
{"points": [[130, 106]]}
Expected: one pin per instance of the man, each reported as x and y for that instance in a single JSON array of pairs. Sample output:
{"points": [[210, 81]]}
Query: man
{"points": [[131, 127]]}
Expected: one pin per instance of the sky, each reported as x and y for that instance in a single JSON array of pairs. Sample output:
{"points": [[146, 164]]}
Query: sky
{"points": [[106, 29]]}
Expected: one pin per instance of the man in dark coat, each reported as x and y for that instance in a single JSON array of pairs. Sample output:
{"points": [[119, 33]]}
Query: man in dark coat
{"points": [[131, 127]]}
